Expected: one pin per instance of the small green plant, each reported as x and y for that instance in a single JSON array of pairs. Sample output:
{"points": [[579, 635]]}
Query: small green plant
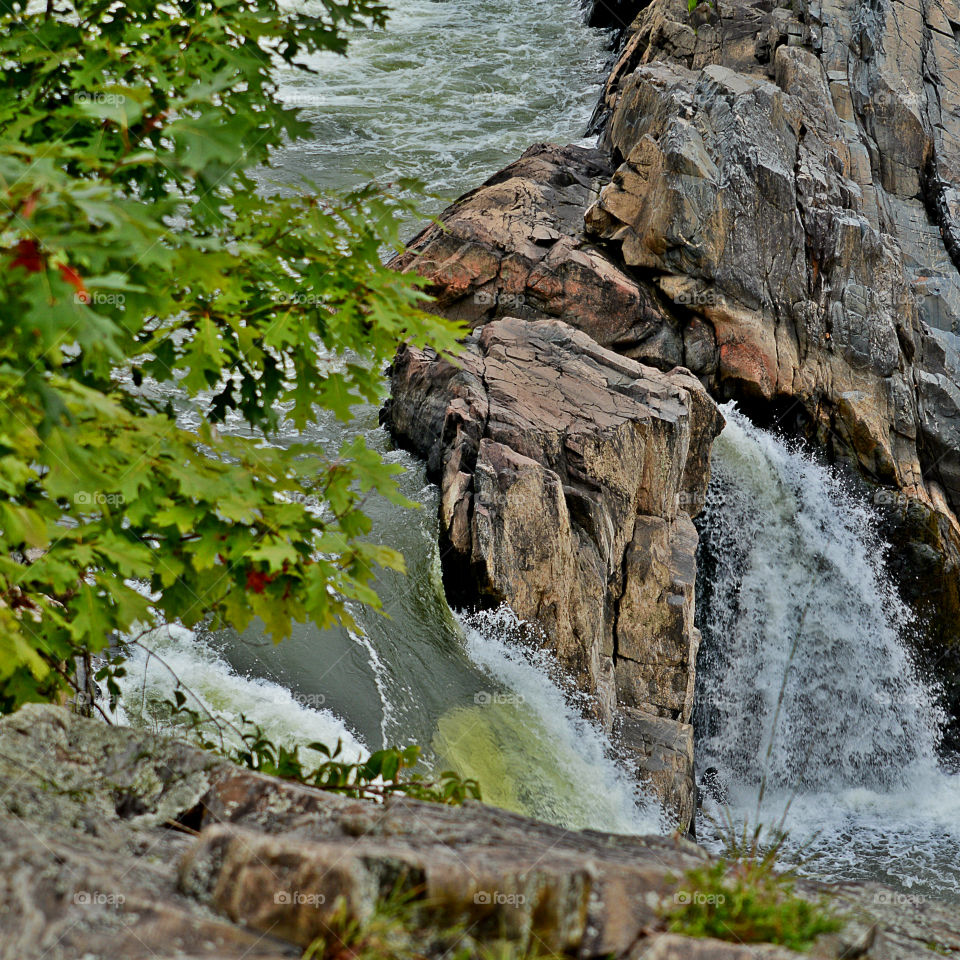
{"points": [[744, 897], [390, 933], [384, 773], [749, 902]]}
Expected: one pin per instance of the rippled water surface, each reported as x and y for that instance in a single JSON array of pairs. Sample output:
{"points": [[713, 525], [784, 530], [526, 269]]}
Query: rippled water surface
{"points": [[448, 93]]}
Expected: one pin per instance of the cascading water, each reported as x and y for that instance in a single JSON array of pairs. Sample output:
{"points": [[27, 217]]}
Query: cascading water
{"points": [[792, 584], [448, 94], [805, 689]]}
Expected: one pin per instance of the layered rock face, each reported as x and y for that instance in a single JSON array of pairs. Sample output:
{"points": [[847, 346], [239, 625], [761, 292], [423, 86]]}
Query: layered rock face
{"points": [[776, 193], [568, 475], [788, 179], [518, 246], [782, 220], [119, 845]]}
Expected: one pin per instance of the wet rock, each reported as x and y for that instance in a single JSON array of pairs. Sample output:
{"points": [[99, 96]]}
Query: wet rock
{"points": [[661, 752], [568, 475]]}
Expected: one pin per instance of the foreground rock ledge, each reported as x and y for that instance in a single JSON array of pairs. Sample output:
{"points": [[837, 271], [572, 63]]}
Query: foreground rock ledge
{"points": [[92, 868], [568, 475]]}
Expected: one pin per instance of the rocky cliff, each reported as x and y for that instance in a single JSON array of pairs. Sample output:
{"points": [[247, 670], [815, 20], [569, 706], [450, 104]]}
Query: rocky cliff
{"points": [[567, 477], [773, 208], [121, 844]]}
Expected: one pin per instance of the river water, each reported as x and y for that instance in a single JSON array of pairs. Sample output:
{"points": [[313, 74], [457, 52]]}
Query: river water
{"points": [[448, 94], [808, 704]]}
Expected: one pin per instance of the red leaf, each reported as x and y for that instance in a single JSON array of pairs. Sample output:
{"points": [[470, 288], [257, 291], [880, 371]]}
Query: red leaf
{"points": [[28, 256], [257, 580], [75, 281]]}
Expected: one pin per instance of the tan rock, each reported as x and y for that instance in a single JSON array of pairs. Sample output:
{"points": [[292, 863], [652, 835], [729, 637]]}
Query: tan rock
{"points": [[568, 475]]}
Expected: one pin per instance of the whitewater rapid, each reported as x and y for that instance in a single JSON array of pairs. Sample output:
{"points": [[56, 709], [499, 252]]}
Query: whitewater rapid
{"points": [[806, 690], [447, 94], [792, 581]]}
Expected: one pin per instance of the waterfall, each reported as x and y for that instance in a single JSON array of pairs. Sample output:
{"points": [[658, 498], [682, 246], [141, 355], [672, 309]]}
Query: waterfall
{"points": [[805, 685], [526, 739]]}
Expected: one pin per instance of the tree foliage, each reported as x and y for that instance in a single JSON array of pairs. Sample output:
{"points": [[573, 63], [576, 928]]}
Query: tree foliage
{"points": [[151, 290]]}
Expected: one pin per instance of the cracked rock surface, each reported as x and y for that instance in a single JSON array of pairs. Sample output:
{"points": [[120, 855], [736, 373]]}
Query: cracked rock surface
{"points": [[93, 869], [568, 475]]}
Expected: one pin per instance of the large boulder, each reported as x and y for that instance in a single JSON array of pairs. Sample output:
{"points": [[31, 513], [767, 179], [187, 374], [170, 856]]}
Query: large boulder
{"points": [[568, 475], [516, 246], [787, 177]]}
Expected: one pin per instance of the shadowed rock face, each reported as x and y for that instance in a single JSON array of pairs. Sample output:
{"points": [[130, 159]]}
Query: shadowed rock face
{"points": [[91, 867], [568, 475], [782, 219]]}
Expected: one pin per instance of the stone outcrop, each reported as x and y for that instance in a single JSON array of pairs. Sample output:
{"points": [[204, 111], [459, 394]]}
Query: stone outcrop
{"points": [[568, 475], [782, 219], [119, 845], [516, 246], [745, 198], [788, 177]]}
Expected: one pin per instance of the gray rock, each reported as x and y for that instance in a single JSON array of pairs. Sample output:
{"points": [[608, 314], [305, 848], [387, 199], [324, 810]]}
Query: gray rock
{"points": [[91, 867]]}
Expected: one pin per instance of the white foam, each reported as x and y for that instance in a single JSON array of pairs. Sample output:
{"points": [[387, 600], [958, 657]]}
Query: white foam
{"points": [[223, 692], [605, 795], [801, 610]]}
